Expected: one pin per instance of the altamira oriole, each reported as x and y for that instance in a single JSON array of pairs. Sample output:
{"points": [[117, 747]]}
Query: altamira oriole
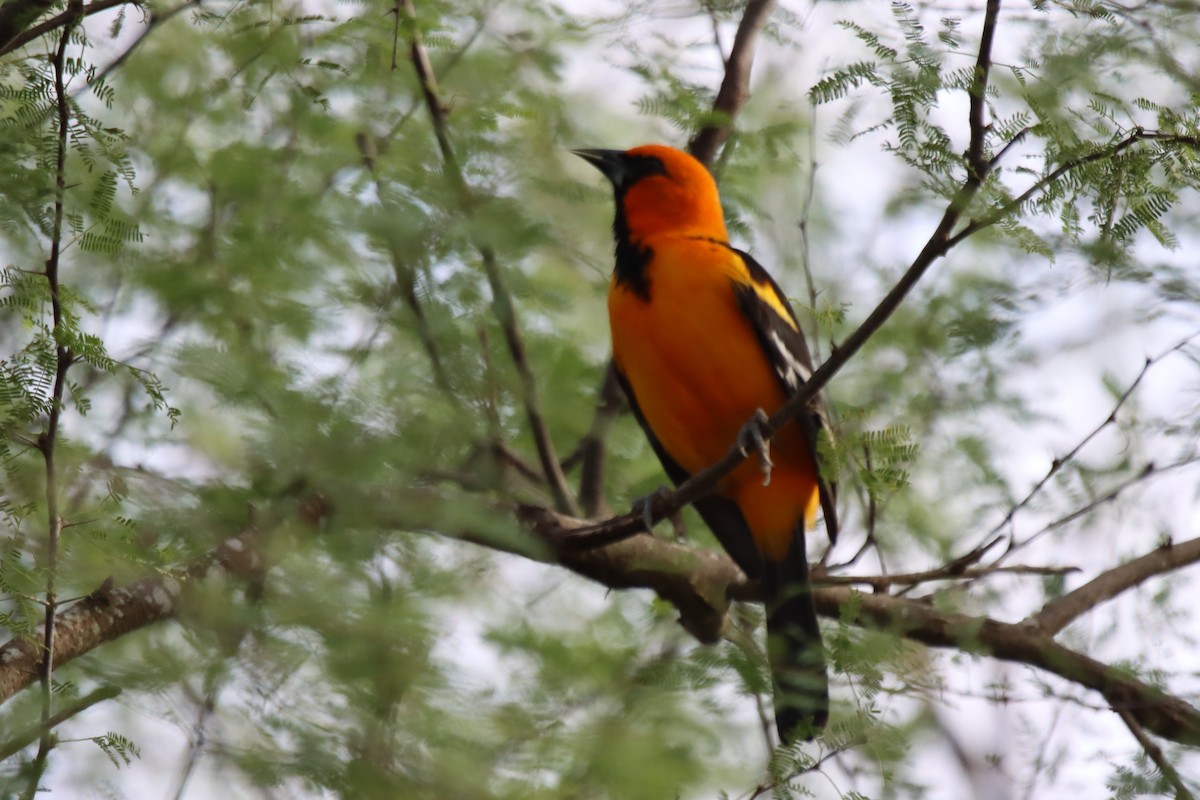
{"points": [[703, 339]]}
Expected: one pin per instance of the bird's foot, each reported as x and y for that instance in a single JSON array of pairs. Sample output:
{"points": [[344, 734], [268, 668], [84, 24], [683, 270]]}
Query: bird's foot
{"points": [[751, 437], [645, 506]]}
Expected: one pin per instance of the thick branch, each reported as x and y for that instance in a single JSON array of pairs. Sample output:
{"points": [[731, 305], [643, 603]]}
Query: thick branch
{"points": [[700, 583], [109, 614], [702, 596], [735, 88], [1166, 715]]}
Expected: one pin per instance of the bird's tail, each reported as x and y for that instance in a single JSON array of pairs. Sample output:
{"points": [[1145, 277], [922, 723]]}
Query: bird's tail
{"points": [[794, 648]]}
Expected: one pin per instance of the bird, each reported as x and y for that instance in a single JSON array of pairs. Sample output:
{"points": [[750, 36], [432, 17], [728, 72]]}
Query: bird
{"points": [[705, 345]]}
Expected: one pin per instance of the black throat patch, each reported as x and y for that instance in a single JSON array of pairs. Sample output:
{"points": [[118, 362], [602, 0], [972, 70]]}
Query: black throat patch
{"points": [[632, 258]]}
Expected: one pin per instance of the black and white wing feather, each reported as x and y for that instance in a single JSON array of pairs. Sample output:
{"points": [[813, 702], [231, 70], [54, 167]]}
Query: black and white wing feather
{"points": [[783, 342]]}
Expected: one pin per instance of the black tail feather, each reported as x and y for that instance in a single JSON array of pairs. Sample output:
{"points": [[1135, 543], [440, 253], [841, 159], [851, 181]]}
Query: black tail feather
{"points": [[794, 648]]}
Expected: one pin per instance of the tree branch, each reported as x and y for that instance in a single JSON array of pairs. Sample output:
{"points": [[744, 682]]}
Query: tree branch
{"points": [[977, 161], [992, 538], [48, 440], [1156, 755], [502, 304], [1151, 470], [699, 583], [592, 447], [880, 583], [108, 614], [15, 15], [1058, 463], [735, 88], [702, 598], [1062, 611], [1139, 134], [404, 272], [22, 740]]}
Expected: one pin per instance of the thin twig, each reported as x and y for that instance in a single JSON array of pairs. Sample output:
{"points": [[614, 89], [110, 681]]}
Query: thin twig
{"points": [[880, 583], [157, 20], [1138, 134], [810, 194], [763, 789], [49, 438], [404, 273], [1060, 462], [1147, 472], [22, 740], [67, 18], [198, 743], [592, 449], [502, 304], [1010, 144], [735, 88], [1169, 773]]}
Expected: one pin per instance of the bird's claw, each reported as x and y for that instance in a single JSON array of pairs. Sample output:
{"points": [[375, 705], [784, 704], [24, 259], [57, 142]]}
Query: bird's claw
{"points": [[645, 506], [751, 437]]}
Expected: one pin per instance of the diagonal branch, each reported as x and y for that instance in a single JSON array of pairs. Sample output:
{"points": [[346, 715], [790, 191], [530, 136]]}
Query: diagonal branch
{"points": [[48, 440], [1059, 462], [735, 88], [1169, 773], [14, 15], [502, 304], [1005, 210], [109, 614], [22, 740], [940, 242], [405, 273], [1151, 470], [938, 245], [1062, 611]]}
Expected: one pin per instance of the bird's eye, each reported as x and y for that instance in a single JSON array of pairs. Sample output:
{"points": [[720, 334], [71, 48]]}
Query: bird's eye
{"points": [[645, 166]]}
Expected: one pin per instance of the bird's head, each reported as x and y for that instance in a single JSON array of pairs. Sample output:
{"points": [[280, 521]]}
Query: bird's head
{"points": [[660, 191]]}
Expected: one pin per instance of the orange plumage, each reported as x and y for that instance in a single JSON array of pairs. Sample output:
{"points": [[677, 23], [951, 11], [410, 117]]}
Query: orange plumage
{"points": [[702, 338]]}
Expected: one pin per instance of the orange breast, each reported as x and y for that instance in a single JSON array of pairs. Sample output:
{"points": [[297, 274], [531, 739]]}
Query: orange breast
{"points": [[699, 373]]}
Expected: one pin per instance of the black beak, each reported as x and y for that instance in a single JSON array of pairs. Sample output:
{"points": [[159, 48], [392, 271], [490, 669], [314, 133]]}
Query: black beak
{"points": [[610, 162]]}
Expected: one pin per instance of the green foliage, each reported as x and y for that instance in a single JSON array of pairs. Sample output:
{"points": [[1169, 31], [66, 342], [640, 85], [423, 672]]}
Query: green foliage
{"points": [[274, 308], [121, 751]]}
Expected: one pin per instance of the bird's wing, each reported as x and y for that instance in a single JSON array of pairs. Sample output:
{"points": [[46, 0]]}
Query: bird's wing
{"points": [[720, 513], [778, 331]]}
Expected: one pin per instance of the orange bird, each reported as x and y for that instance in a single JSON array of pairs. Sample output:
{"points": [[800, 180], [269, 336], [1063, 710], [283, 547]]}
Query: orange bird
{"points": [[704, 341]]}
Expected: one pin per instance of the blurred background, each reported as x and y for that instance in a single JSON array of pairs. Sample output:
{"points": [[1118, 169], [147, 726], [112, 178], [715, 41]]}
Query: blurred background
{"points": [[284, 298]]}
